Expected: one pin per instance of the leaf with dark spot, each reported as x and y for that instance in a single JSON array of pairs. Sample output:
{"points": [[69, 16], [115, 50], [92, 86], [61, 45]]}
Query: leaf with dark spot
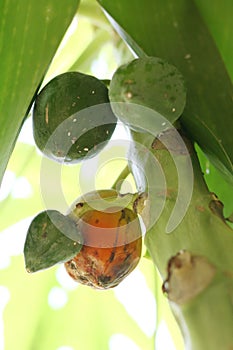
{"points": [[48, 241]]}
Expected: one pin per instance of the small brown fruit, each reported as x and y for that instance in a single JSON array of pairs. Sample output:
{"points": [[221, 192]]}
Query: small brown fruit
{"points": [[111, 249]]}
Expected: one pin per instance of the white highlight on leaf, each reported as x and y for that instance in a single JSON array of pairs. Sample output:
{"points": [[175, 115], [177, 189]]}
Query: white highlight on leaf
{"points": [[22, 188], [17, 187], [26, 133], [65, 347], [12, 238], [163, 340], [122, 342], [65, 280], [57, 298], [138, 301], [7, 184], [5, 261], [4, 299], [99, 68]]}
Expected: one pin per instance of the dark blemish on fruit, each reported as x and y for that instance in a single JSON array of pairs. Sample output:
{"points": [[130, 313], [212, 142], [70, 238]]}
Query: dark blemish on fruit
{"points": [[95, 253], [122, 215], [127, 257], [126, 247], [112, 256], [72, 265], [79, 205], [104, 280], [44, 235]]}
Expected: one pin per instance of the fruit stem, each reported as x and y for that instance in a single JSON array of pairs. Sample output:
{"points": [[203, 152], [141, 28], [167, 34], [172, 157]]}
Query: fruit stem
{"points": [[120, 179]]}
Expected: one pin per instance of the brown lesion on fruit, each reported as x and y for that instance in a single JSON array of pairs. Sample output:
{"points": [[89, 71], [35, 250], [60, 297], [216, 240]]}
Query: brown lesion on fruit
{"points": [[44, 233], [127, 257], [122, 218], [95, 253], [188, 275], [112, 255], [59, 153], [73, 265], [79, 205], [47, 114], [104, 280], [129, 81]]}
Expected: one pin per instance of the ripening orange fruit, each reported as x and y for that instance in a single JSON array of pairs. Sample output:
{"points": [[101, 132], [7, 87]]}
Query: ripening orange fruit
{"points": [[111, 249]]}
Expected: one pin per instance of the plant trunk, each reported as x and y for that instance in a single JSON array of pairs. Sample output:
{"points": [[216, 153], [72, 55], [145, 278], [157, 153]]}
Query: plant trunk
{"points": [[195, 258]]}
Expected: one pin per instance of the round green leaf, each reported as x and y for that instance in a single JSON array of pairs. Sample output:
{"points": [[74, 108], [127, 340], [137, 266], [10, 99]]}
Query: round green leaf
{"points": [[149, 82], [47, 241], [61, 131]]}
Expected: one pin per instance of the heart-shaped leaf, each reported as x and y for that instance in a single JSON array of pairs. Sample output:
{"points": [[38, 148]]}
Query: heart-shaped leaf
{"points": [[47, 241]]}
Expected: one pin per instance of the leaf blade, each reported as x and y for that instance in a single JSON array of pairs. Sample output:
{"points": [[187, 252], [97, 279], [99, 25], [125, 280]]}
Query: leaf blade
{"points": [[47, 241], [30, 34]]}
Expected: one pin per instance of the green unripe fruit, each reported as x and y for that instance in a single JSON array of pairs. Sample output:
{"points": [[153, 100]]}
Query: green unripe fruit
{"points": [[64, 128], [149, 82]]}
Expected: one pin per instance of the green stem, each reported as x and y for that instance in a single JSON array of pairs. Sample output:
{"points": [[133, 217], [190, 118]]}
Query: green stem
{"points": [[206, 321], [119, 181]]}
